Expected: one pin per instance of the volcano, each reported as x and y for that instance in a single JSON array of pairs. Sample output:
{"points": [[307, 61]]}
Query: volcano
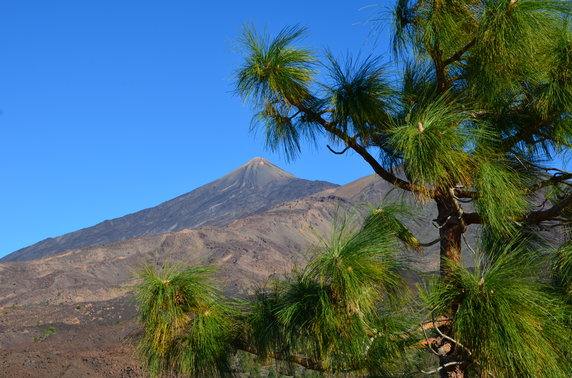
{"points": [[252, 188]]}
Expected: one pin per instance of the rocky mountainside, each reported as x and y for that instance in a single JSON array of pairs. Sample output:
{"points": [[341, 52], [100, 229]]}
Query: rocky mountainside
{"points": [[247, 251], [253, 188]]}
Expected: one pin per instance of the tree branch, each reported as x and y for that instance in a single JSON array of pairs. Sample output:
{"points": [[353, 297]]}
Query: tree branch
{"points": [[362, 151], [336, 152], [302, 361], [433, 242], [436, 327], [428, 342], [548, 214], [442, 367], [509, 143], [459, 54], [472, 218], [461, 193], [557, 178], [531, 217]]}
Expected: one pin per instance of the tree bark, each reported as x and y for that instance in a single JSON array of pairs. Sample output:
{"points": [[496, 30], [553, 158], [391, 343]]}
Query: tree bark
{"points": [[451, 228]]}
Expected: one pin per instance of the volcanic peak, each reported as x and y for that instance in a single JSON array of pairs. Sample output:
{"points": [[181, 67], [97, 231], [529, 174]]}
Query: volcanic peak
{"points": [[256, 173], [252, 188]]}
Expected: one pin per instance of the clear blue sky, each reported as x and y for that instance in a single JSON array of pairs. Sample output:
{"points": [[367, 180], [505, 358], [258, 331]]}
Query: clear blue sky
{"points": [[108, 107]]}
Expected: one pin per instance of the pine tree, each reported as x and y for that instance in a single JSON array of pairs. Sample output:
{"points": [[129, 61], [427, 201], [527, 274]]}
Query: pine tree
{"points": [[483, 106], [477, 125]]}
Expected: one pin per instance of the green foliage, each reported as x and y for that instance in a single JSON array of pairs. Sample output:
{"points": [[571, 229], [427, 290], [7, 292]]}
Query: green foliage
{"points": [[386, 218], [432, 141], [502, 199], [275, 70], [563, 271], [394, 350], [359, 95], [330, 311], [44, 333], [426, 23], [275, 77], [187, 326], [509, 32], [359, 266], [506, 319]]}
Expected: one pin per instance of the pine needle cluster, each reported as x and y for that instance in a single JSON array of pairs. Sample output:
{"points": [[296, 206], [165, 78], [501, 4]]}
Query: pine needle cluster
{"points": [[507, 321], [331, 311], [187, 327]]}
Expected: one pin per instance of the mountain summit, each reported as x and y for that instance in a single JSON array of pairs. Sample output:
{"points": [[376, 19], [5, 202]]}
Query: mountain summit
{"points": [[257, 173], [252, 188]]}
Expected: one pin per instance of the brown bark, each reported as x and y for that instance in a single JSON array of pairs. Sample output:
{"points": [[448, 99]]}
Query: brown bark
{"points": [[451, 228], [453, 371]]}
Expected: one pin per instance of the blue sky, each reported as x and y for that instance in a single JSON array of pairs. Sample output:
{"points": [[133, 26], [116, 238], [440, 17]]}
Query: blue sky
{"points": [[108, 107]]}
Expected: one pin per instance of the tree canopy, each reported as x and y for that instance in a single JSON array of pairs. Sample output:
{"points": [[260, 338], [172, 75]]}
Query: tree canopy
{"points": [[478, 121]]}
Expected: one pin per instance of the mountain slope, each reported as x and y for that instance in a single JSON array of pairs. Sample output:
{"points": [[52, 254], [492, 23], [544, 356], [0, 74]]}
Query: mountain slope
{"points": [[247, 251], [254, 187]]}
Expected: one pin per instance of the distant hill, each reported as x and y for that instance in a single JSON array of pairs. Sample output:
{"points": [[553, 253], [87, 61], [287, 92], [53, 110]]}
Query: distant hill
{"points": [[253, 188]]}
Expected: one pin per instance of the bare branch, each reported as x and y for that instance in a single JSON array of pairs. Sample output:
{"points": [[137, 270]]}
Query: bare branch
{"points": [[294, 115], [442, 367], [336, 152], [563, 224], [457, 78], [428, 342], [433, 242], [547, 169], [551, 181], [468, 245], [462, 193], [440, 321], [436, 327]]}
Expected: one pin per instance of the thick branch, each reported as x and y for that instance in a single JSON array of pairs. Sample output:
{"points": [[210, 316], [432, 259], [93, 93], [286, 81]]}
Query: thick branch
{"points": [[440, 68], [472, 218], [383, 173], [362, 151], [531, 217], [548, 214], [302, 361], [462, 193], [509, 143], [459, 54], [551, 181]]}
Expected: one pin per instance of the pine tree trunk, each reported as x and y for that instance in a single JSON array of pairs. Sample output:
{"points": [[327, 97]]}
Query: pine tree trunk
{"points": [[451, 230]]}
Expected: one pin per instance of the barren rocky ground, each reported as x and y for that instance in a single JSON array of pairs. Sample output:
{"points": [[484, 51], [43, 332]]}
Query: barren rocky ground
{"points": [[89, 339]]}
